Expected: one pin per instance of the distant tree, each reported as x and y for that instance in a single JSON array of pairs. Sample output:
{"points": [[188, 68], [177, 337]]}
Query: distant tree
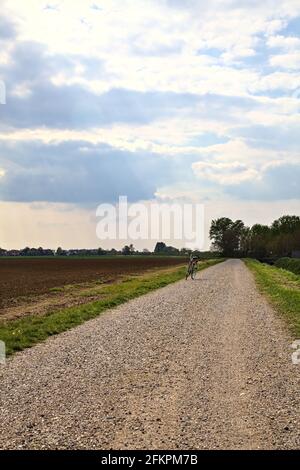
{"points": [[171, 250], [285, 233], [217, 233], [101, 252], [226, 235], [245, 241], [160, 247], [48, 252], [60, 251], [286, 224], [185, 252], [260, 236], [126, 250]]}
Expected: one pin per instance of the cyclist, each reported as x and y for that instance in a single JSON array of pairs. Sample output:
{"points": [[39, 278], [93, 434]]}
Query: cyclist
{"points": [[191, 270]]}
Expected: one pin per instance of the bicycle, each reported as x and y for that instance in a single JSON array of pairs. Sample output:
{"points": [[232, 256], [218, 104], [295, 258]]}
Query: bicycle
{"points": [[191, 271]]}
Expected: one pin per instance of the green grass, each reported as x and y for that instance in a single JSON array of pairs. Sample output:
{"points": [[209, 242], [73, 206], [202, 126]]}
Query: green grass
{"points": [[282, 288], [290, 264], [57, 289], [23, 333]]}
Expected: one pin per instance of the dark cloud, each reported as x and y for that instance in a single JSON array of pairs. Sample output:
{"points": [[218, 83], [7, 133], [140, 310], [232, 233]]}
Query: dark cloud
{"points": [[76, 107], [80, 172], [31, 62], [278, 182], [270, 137]]}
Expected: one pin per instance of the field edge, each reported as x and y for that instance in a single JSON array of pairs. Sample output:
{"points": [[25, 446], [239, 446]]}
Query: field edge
{"points": [[26, 332]]}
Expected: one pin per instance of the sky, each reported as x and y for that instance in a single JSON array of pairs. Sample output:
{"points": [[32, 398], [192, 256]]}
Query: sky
{"points": [[159, 100]]}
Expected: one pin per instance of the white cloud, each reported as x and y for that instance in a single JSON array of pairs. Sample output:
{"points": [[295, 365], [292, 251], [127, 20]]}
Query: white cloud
{"points": [[224, 173], [284, 81], [290, 60], [21, 90], [131, 40], [284, 42], [236, 150]]}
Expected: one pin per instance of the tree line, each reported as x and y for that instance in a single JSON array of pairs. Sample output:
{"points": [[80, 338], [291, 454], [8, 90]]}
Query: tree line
{"points": [[234, 238], [160, 249], [229, 238]]}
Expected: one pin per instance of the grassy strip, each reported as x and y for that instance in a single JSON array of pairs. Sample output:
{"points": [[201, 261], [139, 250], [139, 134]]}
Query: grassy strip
{"points": [[23, 333], [283, 290]]}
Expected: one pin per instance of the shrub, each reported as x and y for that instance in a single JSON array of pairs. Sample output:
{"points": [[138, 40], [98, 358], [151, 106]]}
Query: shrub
{"points": [[290, 264]]}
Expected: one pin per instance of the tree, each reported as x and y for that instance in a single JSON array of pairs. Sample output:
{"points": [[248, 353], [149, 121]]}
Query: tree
{"points": [[171, 250], [128, 250], [185, 252], [25, 251], [237, 229], [285, 235], [245, 241], [160, 247], [226, 235], [260, 241], [286, 224]]}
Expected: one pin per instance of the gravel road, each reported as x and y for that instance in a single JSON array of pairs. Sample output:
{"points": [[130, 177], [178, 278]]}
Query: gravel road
{"points": [[198, 364]]}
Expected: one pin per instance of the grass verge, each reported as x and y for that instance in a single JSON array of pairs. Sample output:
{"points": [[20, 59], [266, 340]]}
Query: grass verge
{"points": [[23, 333], [282, 288], [290, 264]]}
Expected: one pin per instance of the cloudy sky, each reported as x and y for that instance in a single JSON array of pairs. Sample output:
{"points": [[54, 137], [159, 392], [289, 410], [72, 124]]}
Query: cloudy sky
{"points": [[168, 100]]}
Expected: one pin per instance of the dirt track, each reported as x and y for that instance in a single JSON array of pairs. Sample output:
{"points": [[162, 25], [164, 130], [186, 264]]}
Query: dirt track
{"points": [[197, 364]]}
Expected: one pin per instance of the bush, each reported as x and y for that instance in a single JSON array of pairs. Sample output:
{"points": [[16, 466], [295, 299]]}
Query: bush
{"points": [[290, 264]]}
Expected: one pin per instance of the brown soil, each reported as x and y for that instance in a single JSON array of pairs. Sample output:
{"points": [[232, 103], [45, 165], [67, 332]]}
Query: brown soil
{"points": [[38, 286]]}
